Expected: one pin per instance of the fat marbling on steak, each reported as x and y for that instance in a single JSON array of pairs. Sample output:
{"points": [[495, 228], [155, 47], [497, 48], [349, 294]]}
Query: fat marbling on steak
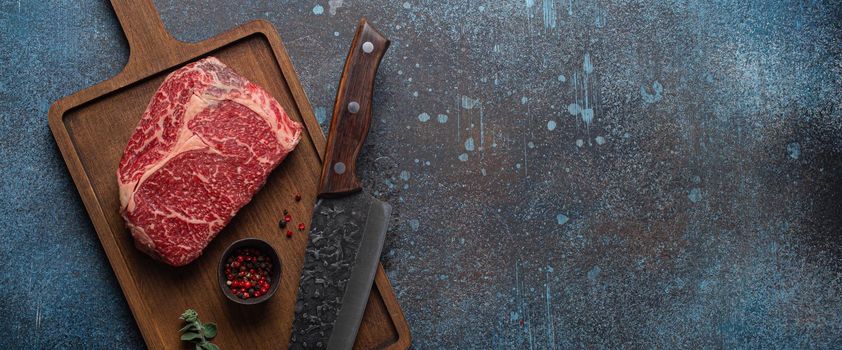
{"points": [[204, 146]]}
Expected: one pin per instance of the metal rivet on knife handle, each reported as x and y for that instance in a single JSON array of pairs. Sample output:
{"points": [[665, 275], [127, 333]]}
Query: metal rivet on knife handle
{"points": [[368, 47], [354, 107], [339, 168]]}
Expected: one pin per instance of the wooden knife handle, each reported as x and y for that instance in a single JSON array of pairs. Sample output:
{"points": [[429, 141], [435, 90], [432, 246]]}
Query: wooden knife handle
{"points": [[351, 113]]}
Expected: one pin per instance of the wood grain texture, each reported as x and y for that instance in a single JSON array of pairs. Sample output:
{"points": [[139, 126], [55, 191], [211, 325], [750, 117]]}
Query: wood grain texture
{"points": [[91, 129], [348, 129]]}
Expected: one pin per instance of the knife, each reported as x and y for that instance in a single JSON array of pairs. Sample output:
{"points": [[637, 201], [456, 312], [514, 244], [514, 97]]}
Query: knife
{"points": [[349, 225]]}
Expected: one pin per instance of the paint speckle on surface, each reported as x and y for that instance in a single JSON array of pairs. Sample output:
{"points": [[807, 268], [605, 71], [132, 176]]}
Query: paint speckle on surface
{"points": [[318, 10], [600, 140], [530, 144], [551, 125], [335, 33], [574, 108], [463, 157], [580, 143], [794, 150], [655, 95], [334, 5], [695, 195], [414, 224], [587, 116], [594, 273], [524, 100], [601, 18], [423, 117], [442, 118], [469, 144], [404, 175], [706, 285], [469, 103], [587, 65], [407, 5], [561, 78], [696, 179], [561, 219], [321, 114], [549, 12]]}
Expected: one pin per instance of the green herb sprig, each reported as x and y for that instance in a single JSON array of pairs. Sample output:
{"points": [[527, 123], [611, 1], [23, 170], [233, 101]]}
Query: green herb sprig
{"points": [[196, 332]]}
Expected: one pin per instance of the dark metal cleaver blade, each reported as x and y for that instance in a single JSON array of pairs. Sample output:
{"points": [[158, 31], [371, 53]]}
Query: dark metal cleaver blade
{"points": [[341, 259]]}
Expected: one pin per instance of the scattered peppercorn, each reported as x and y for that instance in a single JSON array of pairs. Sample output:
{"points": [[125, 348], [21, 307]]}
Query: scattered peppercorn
{"points": [[247, 273], [297, 197], [289, 233]]}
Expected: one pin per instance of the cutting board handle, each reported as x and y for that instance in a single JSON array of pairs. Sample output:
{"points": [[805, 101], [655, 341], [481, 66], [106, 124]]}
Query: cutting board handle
{"points": [[148, 39]]}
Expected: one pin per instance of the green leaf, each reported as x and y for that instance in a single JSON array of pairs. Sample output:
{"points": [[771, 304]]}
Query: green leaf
{"points": [[192, 326], [191, 336], [210, 330], [190, 315], [196, 332]]}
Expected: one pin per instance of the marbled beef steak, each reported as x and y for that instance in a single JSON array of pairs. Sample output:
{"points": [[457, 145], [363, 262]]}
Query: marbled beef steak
{"points": [[202, 149]]}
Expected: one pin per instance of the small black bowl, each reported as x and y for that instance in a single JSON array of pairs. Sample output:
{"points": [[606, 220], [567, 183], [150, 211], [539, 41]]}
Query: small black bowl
{"points": [[266, 249]]}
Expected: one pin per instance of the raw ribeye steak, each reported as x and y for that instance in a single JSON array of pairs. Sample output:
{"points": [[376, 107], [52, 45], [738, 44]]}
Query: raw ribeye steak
{"points": [[204, 146]]}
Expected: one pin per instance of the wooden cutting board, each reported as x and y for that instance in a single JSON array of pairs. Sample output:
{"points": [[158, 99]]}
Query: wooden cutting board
{"points": [[92, 127]]}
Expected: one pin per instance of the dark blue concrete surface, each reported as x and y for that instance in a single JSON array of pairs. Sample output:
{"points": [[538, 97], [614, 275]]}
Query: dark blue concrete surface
{"points": [[564, 173]]}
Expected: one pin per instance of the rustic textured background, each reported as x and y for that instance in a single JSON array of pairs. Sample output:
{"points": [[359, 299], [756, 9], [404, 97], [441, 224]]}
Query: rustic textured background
{"points": [[564, 173]]}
